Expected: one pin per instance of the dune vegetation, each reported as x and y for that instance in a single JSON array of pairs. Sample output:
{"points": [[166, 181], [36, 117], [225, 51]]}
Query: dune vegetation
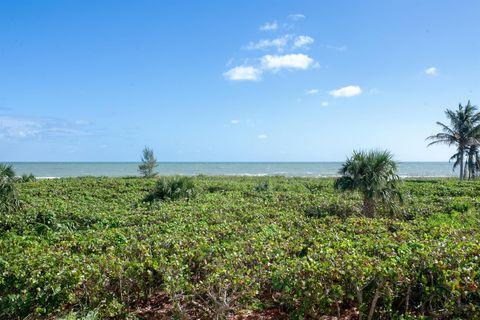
{"points": [[232, 247]]}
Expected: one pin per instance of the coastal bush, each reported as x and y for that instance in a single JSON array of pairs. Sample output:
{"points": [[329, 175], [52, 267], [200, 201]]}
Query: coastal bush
{"points": [[89, 247], [262, 186], [459, 205], [26, 178], [9, 201], [173, 188], [340, 208]]}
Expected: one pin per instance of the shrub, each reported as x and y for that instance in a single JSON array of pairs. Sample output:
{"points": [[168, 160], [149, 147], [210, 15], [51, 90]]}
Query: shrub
{"points": [[27, 178], [173, 188], [9, 201], [459, 205], [262, 186], [342, 209]]}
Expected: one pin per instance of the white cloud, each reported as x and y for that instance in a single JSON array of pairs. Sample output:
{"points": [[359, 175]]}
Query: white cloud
{"points": [[248, 73], [262, 136], [324, 103], [269, 26], [302, 41], [348, 91], [288, 61], [311, 91], [296, 17], [235, 121], [432, 71], [278, 43]]}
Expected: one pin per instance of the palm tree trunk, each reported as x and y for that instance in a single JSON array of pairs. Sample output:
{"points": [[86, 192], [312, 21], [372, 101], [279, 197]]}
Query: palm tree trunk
{"points": [[368, 209], [461, 165]]}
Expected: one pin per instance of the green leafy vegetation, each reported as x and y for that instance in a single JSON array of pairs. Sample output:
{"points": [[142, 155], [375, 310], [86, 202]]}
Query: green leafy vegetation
{"points": [[92, 248], [149, 163]]}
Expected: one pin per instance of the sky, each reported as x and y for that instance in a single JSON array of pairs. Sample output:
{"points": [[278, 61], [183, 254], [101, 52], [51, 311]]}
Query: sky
{"points": [[85, 80]]}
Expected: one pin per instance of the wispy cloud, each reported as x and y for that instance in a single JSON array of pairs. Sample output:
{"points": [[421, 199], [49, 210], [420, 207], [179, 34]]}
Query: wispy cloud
{"points": [[286, 42], [324, 103], [17, 127], [235, 121], [432, 71], [264, 44], [311, 91], [336, 48], [262, 136], [302, 41], [348, 91], [296, 17], [243, 73], [289, 61], [269, 26]]}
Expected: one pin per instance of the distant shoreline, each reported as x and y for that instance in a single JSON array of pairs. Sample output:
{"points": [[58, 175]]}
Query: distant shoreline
{"points": [[288, 169]]}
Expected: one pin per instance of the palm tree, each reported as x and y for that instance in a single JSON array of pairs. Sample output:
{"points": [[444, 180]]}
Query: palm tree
{"points": [[8, 193], [374, 175], [473, 161], [463, 132]]}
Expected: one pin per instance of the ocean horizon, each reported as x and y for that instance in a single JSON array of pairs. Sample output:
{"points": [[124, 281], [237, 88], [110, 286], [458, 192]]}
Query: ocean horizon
{"points": [[289, 169]]}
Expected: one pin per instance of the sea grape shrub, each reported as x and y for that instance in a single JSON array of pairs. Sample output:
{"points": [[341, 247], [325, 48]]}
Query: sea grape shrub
{"points": [[342, 208], [459, 205], [355, 261], [173, 188], [228, 252], [263, 186]]}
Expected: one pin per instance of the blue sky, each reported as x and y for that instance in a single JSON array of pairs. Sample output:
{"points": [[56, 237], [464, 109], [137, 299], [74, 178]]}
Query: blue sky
{"points": [[232, 80]]}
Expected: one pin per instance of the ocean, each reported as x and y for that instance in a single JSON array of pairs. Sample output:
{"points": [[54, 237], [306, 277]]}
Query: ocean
{"points": [[290, 169]]}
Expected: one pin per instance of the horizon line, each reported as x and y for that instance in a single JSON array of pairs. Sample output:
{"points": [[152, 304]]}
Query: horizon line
{"points": [[199, 161]]}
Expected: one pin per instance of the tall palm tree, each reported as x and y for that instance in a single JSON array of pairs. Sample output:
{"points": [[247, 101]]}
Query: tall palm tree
{"points": [[463, 132], [8, 193], [374, 175]]}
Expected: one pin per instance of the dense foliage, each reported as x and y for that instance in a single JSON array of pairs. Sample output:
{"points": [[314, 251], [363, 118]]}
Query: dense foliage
{"points": [[92, 247]]}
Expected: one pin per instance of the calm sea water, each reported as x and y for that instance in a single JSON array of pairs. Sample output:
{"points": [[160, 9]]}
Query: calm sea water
{"points": [[300, 169]]}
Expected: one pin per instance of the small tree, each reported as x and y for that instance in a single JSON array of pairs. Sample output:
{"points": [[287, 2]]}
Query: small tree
{"points": [[9, 201], [149, 163], [374, 175]]}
